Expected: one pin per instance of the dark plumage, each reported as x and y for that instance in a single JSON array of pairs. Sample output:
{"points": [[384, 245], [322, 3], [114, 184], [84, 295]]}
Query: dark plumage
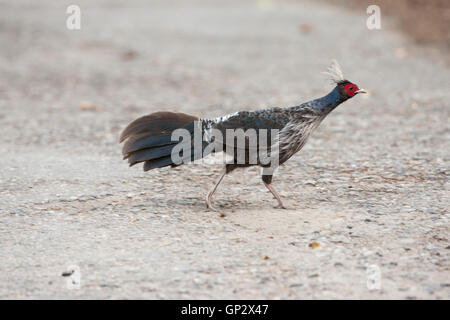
{"points": [[149, 138]]}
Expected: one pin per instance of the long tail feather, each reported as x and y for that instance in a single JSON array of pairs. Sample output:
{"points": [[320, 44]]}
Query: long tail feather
{"points": [[157, 163], [157, 122], [144, 140], [150, 154], [148, 139]]}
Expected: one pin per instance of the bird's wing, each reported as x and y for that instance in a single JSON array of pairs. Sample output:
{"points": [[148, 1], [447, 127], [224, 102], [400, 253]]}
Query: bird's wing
{"points": [[275, 118], [268, 119]]}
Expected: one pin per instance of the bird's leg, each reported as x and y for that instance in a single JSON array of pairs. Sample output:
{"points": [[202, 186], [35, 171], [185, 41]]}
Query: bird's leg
{"points": [[267, 179], [275, 195], [210, 193]]}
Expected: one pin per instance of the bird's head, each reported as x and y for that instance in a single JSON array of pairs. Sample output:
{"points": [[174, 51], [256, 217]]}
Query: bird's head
{"points": [[348, 90], [345, 88]]}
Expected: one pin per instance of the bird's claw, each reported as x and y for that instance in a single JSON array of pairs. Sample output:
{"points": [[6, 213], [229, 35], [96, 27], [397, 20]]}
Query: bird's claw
{"points": [[280, 206], [210, 207]]}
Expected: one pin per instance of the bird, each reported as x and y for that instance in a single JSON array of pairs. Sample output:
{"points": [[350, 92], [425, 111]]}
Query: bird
{"points": [[151, 139]]}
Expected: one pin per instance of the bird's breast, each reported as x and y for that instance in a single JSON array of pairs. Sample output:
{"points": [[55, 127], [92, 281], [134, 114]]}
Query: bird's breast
{"points": [[294, 136]]}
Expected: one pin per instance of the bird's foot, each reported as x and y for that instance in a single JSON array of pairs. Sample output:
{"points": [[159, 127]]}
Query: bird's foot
{"points": [[281, 206], [209, 206]]}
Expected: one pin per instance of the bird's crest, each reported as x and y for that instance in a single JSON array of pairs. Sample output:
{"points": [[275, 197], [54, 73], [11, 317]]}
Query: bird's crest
{"points": [[334, 72]]}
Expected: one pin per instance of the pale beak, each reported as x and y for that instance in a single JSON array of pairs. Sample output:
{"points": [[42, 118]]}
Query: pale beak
{"points": [[360, 91]]}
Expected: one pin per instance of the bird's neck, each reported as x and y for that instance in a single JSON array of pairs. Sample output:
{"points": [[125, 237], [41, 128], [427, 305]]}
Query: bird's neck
{"points": [[326, 104]]}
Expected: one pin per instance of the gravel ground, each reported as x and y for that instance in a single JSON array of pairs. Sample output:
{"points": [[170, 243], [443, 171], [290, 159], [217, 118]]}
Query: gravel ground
{"points": [[368, 195]]}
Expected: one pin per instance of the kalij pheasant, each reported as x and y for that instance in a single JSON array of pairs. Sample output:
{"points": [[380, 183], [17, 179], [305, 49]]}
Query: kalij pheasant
{"points": [[150, 140]]}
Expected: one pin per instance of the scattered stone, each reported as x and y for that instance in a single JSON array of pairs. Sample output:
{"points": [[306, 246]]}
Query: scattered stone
{"points": [[294, 285], [314, 245], [88, 106]]}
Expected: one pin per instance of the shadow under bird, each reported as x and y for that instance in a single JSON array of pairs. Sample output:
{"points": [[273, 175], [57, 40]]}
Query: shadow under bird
{"points": [[149, 138]]}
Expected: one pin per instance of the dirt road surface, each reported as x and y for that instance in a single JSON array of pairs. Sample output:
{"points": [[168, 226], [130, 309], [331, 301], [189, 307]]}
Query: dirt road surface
{"points": [[368, 195]]}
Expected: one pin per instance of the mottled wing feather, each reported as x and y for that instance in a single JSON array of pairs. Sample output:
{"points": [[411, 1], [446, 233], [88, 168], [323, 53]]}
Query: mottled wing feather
{"points": [[268, 119], [275, 118]]}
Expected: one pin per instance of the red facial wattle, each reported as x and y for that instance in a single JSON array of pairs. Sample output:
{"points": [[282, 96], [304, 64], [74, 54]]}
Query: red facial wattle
{"points": [[351, 89]]}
